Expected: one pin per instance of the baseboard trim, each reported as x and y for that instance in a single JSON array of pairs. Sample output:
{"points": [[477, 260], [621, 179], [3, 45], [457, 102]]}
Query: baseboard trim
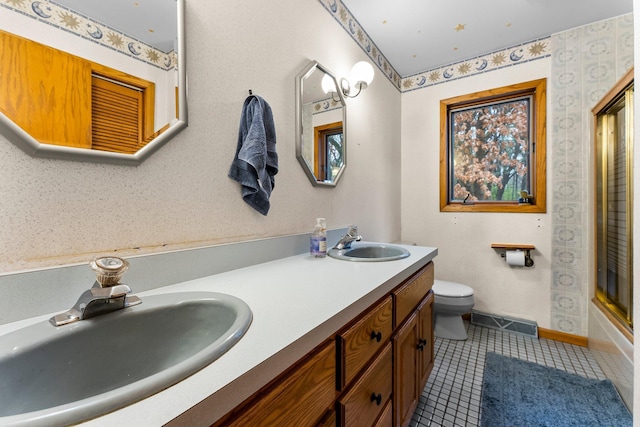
{"points": [[554, 335], [563, 337]]}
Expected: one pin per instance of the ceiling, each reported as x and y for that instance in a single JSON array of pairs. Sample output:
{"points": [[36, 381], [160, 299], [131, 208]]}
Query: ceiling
{"points": [[420, 35], [151, 21], [413, 35]]}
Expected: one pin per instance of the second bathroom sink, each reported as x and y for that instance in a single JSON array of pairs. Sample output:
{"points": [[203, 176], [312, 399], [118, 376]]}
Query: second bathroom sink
{"points": [[370, 252]]}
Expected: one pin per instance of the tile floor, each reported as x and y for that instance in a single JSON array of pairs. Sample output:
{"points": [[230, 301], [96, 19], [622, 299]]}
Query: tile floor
{"points": [[452, 395]]}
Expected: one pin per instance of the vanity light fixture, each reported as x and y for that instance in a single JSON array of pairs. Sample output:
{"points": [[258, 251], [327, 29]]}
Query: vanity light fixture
{"points": [[360, 78]]}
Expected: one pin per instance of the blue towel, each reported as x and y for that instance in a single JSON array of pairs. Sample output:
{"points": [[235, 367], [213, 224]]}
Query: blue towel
{"points": [[256, 161]]}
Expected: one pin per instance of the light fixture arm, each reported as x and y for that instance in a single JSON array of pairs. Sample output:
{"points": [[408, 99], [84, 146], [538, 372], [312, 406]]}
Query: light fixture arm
{"points": [[361, 73], [345, 86]]}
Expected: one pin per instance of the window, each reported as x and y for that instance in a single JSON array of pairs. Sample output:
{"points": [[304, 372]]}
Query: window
{"points": [[328, 151], [613, 119], [493, 150]]}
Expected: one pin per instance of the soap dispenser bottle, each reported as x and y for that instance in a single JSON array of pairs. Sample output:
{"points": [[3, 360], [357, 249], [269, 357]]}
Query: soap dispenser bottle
{"points": [[318, 247]]}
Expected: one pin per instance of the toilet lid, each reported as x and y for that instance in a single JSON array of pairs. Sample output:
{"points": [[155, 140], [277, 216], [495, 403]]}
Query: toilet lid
{"points": [[451, 289]]}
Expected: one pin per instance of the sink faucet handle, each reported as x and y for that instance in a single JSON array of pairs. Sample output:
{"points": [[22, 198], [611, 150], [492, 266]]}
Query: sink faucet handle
{"points": [[109, 270], [353, 232], [107, 294], [350, 237]]}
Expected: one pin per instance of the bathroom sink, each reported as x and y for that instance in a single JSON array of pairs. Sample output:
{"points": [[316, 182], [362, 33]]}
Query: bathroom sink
{"points": [[61, 375], [370, 252]]}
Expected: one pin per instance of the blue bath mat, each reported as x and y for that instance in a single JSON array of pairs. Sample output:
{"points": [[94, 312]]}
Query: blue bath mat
{"points": [[520, 393]]}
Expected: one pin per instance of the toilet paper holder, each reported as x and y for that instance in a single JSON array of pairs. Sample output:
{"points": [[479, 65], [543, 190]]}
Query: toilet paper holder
{"points": [[528, 261]]}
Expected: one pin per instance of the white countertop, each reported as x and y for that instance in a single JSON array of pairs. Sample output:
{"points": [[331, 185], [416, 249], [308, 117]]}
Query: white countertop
{"points": [[297, 303]]}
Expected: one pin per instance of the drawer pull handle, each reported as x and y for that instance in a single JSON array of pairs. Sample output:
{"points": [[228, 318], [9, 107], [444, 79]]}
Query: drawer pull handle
{"points": [[376, 398], [421, 343], [376, 336]]}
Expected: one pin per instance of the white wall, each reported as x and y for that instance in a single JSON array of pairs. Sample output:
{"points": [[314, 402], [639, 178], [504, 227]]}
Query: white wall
{"points": [[56, 212], [464, 239]]}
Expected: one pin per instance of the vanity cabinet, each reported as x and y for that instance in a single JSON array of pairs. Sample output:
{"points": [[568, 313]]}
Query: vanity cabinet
{"points": [[412, 343], [370, 372]]}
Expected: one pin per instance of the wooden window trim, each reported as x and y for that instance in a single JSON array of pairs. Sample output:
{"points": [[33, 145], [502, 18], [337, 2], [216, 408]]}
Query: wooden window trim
{"points": [[537, 89], [320, 147]]}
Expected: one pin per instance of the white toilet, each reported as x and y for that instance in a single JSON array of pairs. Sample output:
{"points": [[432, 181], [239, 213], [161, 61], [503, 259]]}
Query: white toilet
{"points": [[452, 300]]}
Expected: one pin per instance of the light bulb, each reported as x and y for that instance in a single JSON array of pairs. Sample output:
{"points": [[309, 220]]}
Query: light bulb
{"points": [[361, 74], [328, 84]]}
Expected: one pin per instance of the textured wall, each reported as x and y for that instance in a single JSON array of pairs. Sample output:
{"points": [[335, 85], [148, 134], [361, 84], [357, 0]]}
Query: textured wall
{"points": [[56, 212]]}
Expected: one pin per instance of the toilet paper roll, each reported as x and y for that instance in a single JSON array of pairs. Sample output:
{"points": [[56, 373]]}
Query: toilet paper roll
{"points": [[515, 258]]}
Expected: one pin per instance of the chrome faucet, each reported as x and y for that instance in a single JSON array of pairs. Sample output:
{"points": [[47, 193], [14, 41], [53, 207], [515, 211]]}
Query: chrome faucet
{"points": [[351, 236], [105, 296]]}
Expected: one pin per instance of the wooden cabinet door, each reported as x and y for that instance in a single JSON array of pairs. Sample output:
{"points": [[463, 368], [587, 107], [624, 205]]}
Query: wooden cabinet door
{"points": [[405, 378], [425, 340], [45, 91]]}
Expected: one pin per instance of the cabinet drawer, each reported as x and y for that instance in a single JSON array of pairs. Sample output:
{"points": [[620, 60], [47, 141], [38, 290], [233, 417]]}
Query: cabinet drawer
{"points": [[299, 398], [386, 419], [365, 401], [328, 420], [407, 296], [358, 344]]}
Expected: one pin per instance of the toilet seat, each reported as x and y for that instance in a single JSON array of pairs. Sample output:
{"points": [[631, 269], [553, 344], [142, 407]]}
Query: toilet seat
{"points": [[451, 289]]}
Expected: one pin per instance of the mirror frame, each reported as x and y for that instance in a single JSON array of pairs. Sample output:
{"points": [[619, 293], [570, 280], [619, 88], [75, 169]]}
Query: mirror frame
{"points": [[312, 66], [33, 147]]}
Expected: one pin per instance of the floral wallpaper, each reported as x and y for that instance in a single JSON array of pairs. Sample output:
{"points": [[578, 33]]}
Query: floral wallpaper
{"points": [[87, 28], [587, 62]]}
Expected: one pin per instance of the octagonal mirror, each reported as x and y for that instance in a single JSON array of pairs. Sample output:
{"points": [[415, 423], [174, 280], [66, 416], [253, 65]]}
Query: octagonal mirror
{"points": [[92, 80], [320, 126]]}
